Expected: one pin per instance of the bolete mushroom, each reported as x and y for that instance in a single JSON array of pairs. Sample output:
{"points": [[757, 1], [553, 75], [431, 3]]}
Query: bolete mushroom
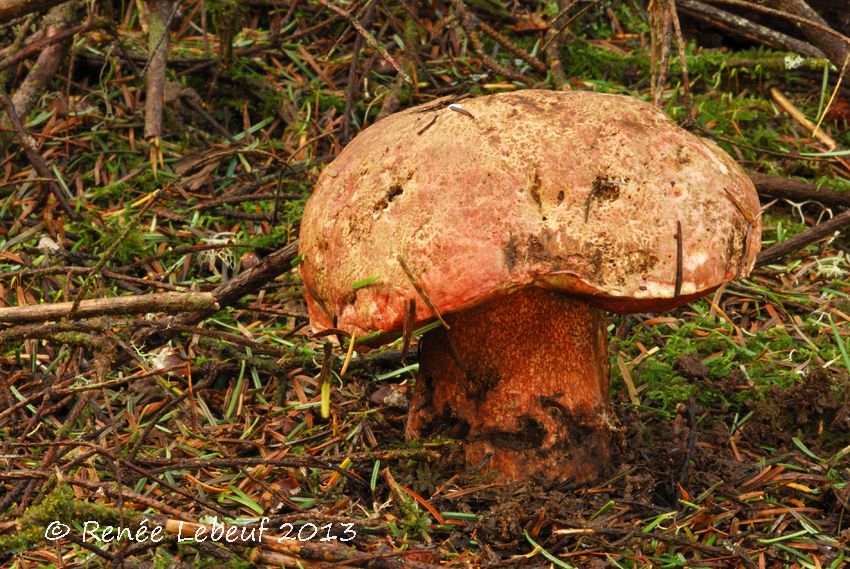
{"points": [[518, 218]]}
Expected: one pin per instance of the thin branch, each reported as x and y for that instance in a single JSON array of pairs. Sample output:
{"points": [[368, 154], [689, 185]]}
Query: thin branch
{"points": [[836, 46], [513, 48], [57, 20], [169, 302], [814, 26], [370, 39], [35, 157], [243, 284], [44, 42], [742, 27], [807, 237], [158, 33], [469, 28], [797, 190]]}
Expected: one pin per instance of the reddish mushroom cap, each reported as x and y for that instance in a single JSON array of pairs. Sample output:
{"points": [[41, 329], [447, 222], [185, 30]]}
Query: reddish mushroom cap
{"points": [[574, 191]]}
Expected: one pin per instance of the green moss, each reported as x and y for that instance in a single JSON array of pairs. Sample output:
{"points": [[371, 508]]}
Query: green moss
{"points": [[766, 361], [583, 60], [59, 505]]}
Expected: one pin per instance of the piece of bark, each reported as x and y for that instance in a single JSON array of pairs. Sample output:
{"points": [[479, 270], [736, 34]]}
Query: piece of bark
{"points": [[739, 26], [169, 302], [797, 190], [807, 237]]}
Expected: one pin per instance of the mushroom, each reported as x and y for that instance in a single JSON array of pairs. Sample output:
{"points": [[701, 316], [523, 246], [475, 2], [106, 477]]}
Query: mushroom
{"points": [[516, 220]]}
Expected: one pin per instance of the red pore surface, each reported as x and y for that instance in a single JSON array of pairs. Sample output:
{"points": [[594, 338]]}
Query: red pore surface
{"points": [[573, 191]]}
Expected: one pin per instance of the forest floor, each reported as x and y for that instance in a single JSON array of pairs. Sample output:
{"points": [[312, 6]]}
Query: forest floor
{"points": [[734, 444]]}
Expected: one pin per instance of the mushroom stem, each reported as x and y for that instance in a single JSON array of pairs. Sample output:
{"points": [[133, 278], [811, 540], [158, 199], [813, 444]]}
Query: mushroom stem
{"points": [[524, 379]]}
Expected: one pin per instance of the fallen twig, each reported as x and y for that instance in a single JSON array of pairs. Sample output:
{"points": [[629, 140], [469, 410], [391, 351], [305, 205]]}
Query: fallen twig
{"points": [[744, 28], [797, 190], [351, 82], [816, 28], [35, 158], [57, 20], [46, 41], [169, 302], [807, 237], [798, 116], [294, 553], [661, 32], [160, 14], [465, 20], [248, 282], [42, 331], [835, 46], [106, 255], [370, 39], [511, 47]]}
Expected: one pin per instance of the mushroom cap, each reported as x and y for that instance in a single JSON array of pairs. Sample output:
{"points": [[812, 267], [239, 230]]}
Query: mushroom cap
{"points": [[574, 191]]}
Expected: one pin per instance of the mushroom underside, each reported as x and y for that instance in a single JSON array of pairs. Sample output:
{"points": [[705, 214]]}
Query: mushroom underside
{"points": [[522, 380]]}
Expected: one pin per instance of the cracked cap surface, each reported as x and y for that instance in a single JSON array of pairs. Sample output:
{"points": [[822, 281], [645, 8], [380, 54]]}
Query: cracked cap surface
{"points": [[575, 191]]}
